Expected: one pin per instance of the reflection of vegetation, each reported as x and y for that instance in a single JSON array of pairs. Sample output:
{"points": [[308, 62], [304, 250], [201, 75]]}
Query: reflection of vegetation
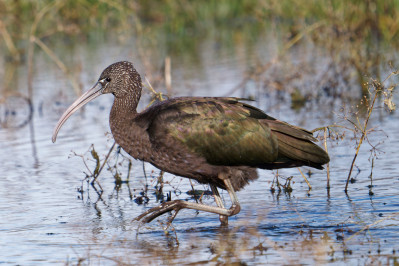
{"points": [[242, 245], [16, 110]]}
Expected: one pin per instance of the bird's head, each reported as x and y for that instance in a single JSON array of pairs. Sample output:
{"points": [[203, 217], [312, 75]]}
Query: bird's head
{"points": [[121, 79]]}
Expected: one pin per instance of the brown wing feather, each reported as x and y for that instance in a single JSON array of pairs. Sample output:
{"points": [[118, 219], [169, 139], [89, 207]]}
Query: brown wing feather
{"points": [[221, 130], [296, 144], [227, 132]]}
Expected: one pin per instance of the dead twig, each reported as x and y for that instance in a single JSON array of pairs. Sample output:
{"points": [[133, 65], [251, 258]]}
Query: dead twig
{"points": [[306, 180], [375, 89], [102, 166], [328, 164]]}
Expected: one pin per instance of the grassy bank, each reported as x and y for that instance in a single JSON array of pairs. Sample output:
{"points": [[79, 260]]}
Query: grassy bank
{"points": [[352, 21]]}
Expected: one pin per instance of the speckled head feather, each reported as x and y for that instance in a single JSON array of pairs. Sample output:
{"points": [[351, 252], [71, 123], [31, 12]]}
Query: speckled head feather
{"points": [[122, 80]]}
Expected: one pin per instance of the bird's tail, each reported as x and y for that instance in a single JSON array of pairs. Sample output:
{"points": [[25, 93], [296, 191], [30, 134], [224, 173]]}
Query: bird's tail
{"points": [[296, 146]]}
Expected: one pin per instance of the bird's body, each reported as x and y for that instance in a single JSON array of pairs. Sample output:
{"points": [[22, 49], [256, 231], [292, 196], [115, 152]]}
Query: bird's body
{"points": [[199, 137], [216, 141]]}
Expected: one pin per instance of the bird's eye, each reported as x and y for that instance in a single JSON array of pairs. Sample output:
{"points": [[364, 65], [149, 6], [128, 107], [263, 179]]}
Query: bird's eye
{"points": [[108, 79]]}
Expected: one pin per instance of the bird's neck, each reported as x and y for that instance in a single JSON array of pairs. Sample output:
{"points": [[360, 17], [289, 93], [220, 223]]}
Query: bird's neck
{"points": [[123, 127], [123, 110]]}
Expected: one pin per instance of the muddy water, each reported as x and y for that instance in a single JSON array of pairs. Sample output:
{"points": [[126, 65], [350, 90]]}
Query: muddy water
{"points": [[47, 218]]}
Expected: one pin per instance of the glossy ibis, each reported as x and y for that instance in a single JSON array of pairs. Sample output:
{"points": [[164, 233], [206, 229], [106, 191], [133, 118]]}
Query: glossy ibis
{"points": [[216, 141]]}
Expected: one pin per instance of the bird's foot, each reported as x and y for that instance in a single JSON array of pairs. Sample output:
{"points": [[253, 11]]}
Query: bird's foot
{"points": [[153, 213], [177, 205]]}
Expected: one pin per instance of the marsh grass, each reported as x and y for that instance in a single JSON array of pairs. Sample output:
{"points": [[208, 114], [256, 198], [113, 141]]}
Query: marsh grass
{"points": [[351, 24]]}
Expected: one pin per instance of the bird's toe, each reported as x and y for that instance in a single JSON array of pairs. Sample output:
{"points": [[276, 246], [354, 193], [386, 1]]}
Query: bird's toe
{"points": [[155, 212]]}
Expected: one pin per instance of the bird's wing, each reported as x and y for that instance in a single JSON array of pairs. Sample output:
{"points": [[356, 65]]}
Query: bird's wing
{"points": [[222, 130]]}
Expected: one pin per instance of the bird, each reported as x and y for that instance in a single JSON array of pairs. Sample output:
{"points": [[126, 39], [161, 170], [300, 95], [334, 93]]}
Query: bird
{"points": [[220, 141]]}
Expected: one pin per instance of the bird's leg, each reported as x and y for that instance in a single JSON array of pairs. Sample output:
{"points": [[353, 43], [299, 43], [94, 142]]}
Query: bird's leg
{"points": [[224, 220], [235, 205], [177, 205]]}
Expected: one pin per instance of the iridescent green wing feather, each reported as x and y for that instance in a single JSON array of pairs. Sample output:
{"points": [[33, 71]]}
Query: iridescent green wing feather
{"points": [[222, 130]]}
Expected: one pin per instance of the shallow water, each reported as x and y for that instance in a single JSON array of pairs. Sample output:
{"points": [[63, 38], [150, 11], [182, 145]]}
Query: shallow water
{"points": [[45, 219]]}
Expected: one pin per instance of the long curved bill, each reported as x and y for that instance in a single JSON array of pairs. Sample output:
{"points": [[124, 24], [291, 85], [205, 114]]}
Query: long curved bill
{"points": [[82, 100]]}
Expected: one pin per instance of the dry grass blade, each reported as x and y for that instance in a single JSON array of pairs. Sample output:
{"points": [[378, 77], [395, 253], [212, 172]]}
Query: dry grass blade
{"points": [[328, 164], [105, 161], [306, 180], [9, 42], [59, 63], [38, 18], [156, 95]]}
